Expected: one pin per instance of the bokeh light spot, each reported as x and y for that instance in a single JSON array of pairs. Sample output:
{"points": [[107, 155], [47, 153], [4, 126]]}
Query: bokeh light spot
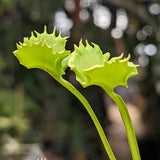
{"points": [[139, 49], [154, 9], [147, 30], [143, 61], [63, 23], [88, 3], [70, 5], [117, 33], [150, 50], [102, 16], [84, 15], [140, 36], [122, 19]]}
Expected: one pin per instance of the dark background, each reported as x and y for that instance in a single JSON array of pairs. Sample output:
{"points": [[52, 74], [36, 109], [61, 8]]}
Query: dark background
{"points": [[36, 111]]}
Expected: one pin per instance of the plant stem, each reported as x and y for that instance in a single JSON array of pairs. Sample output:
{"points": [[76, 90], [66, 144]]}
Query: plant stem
{"points": [[127, 123], [87, 106]]}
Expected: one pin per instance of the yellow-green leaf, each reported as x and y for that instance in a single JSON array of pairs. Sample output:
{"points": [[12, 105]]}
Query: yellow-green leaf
{"points": [[44, 51], [94, 68]]}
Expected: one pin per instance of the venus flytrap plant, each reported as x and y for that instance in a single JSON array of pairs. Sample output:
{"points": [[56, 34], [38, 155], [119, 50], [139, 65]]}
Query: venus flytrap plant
{"points": [[47, 52], [94, 68]]}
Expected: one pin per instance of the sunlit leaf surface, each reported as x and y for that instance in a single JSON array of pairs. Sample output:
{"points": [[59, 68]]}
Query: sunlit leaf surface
{"points": [[94, 68]]}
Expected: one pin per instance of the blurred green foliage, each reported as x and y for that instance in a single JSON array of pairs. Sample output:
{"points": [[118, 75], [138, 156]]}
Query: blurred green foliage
{"points": [[33, 107]]}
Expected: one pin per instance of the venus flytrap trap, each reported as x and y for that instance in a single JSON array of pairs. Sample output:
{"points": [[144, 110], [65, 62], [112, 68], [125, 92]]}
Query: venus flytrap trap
{"points": [[44, 51], [92, 67]]}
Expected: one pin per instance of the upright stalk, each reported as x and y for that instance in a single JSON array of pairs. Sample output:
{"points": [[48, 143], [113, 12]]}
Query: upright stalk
{"points": [[87, 106], [127, 123]]}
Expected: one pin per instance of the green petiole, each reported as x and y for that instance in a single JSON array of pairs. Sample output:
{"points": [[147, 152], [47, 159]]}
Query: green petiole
{"points": [[90, 111], [127, 123]]}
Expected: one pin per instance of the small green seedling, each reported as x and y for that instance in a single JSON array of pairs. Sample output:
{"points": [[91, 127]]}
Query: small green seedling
{"points": [[92, 67]]}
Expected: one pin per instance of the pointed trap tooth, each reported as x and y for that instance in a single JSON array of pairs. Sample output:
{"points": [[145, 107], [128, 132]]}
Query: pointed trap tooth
{"points": [[87, 43], [91, 45], [94, 45], [120, 57], [66, 37], [22, 44], [25, 39], [60, 33], [129, 56], [54, 30], [32, 34], [18, 46], [81, 43], [125, 83], [75, 47], [15, 51], [126, 59], [37, 34], [45, 29]]}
